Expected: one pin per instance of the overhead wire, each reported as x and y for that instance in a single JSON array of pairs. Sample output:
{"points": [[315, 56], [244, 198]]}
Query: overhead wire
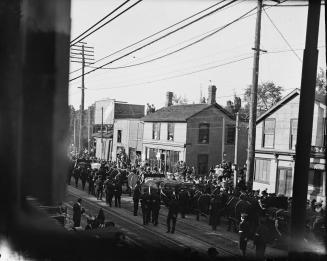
{"points": [[95, 30], [102, 19], [154, 34], [284, 38], [191, 72], [156, 40], [184, 47]]}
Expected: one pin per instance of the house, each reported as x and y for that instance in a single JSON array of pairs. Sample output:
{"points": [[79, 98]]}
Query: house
{"points": [[202, 135], [275, 147], [127, 137], [106, 112]]}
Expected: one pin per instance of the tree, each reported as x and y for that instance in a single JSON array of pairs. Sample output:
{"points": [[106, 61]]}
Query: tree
{"points": [[321, 82], [178, 99], [268, 95]]}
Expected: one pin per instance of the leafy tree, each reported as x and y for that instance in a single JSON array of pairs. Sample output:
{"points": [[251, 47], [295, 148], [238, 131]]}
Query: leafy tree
{"points": [[268, 95], [321, 82], [178, 99]]}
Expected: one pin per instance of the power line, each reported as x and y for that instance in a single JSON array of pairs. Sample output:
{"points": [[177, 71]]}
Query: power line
{"points": [[184, 47], [280, 33], [162, 30], [91, 27], [95, 30], [158, 39]]}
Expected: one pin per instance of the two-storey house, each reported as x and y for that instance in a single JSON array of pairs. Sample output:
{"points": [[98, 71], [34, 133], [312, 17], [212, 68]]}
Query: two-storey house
{"points": [[127, 137], [275, 147], [107, 112], [201, 135]]}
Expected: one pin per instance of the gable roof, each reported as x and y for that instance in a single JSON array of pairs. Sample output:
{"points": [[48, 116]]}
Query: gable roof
{"points": [[286, 99], [180, 113]]}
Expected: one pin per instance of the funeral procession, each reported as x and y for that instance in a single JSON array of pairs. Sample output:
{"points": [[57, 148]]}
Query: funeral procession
{"points": [[163, 130]]}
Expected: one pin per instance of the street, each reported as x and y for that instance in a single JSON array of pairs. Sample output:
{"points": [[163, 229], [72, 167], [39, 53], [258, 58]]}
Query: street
{"points": [[196, 235]]}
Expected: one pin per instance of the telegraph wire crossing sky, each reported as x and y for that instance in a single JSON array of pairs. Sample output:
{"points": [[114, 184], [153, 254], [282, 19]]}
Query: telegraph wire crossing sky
{"points": [[224, 58]]}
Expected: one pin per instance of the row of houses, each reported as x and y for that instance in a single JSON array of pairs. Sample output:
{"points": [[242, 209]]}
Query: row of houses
{"points": [[203, 135]]}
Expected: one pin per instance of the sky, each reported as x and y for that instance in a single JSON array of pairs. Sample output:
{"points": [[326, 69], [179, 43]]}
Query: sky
{"points": [[224, 59]]}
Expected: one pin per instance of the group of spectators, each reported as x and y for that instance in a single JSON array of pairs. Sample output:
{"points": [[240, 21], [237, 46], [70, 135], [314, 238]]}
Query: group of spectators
{"points": [[109, 178]]}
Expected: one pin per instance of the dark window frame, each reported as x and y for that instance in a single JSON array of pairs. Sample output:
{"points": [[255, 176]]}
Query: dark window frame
{"points": [[291, 145], [173, 131], [154, 130], [201, 135], [263, 145], [119, 135], [230, 137]]}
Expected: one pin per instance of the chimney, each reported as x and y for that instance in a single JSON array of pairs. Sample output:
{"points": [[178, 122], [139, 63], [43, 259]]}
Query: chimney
{"points": [[212, 94], [169, 99]]}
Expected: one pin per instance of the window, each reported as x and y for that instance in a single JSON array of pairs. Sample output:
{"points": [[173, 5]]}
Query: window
{"points": [[262, 170], [156, 131], [293, 133], [204, 133], [315, 178], [230, 135], [268, 139], [203, 164], [119, 136], [170, 131]]}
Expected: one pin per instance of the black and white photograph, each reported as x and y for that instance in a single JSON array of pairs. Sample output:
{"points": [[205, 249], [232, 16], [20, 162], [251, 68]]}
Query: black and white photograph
{"points": [[189, 130]]}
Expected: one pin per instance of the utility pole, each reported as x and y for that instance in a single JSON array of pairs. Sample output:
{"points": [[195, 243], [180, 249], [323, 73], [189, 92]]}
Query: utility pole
{"points": [[102, 151], [74, 134], [80, 53], [88, 128], [236, 148], [223, 141], [304, 132], [253, 101], [82, 104]]}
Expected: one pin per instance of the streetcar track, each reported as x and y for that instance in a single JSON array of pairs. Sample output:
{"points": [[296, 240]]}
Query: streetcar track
{"points": [[175, 242]]}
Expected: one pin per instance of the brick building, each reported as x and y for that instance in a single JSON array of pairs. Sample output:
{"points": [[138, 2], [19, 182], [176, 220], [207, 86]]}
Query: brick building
{"points": [[202, 135]]}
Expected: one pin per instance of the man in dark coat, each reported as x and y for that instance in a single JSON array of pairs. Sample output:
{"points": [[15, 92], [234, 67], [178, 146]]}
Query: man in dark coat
{"points": [[118, 190], [76, 174], [84, 173], [110, 188], [145, 208], [244, 231], [155, 207], [261, 238], [77, 213], [172, 214], [215, 211], [136, 197], [183, 202]]}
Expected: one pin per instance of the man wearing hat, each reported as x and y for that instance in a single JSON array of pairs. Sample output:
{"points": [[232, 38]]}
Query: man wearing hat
{"points": [[77, 213], [244, 231]]}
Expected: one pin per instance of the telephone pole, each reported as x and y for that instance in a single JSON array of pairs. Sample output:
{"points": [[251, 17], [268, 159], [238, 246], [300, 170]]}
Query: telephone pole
{"points": [[81, 53], [253, 101], [236, 148]]}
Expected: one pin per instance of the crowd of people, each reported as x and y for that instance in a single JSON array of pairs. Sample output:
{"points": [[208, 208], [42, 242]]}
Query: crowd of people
{"points": [[216, 189]]}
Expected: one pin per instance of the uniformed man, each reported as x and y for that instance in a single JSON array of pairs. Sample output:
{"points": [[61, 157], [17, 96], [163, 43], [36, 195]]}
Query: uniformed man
{"points": [[136, 197], [77, 213], [261, 238], [155, 207], [144, 207], [118, 190], [244, 231], [172, 214], [110, 188]]}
